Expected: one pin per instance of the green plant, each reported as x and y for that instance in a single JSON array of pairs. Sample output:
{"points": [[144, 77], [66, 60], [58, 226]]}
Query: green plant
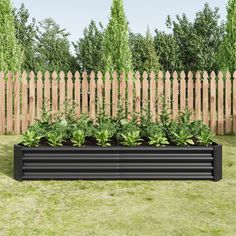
{"points": [[78, 138], [158, 140], [54, 139], [31, 139], [206, 137], [131, 138], [165, 115], [102, 138], [182, 138]]}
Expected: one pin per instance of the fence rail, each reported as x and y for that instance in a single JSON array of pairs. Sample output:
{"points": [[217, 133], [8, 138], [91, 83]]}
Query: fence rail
{"points": [[212, 98]]}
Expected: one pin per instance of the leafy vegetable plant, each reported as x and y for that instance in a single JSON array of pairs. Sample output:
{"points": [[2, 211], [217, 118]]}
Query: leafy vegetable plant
{"points": [[131, 138], [31, 139], [205, 137], [158, 140], [183, 138], [78, 138], [55, 139], [102, 138]]}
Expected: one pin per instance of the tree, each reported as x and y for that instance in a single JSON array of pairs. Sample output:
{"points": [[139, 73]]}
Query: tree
{"points": [[10, 51], [227, 51], [143, 52], [151, 62], [116, 52], [25, 33], [193, 45], [53, 47], [89, 48]]}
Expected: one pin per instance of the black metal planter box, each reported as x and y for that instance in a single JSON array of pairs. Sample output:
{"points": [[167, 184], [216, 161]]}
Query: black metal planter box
{"points": [[118, 163]]}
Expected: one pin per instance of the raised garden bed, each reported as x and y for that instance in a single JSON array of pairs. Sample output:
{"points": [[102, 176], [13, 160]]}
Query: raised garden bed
{"points": [[118, 163]]}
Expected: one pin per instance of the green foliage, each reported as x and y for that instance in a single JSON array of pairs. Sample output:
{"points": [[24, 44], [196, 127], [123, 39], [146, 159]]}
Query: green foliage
{"points": [[31, 139], [54, 139], [25, 34], [143, 52], [11, 55], [192, 45], [183, 138], [78, 138], [227, 50], [131, 138], [52, 47], [102, 138], [89, 49], [116, 52], [158, 140], [206, 137]]}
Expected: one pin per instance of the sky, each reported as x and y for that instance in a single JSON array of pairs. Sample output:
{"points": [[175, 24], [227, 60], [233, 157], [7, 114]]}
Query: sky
{"points": [[75, 15]]}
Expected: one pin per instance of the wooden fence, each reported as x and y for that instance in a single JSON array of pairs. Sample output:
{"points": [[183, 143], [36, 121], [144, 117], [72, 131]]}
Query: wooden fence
{"points": [[212, 98]]}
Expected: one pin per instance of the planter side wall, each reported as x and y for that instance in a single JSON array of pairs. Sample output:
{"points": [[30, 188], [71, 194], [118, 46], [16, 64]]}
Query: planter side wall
{"points": [[96, 163]]}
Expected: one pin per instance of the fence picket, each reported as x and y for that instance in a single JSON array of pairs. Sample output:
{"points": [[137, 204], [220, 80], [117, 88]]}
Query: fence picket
{"points": [[2, 103], [77, 93], [54, 93], [84, 93], [130, 94], [190, 94], [168, 90], [220, 104], [137, 92], [114, 94], [62, 91], [198, 96], [159, 94], [16, 104], [39, 95], [122, 102], [92, 101], [145, 92], [175, 91], [213, 102], [182, 91], [153, 96], [107, 94], [25, 111], [9, 103], [69, 90], [47, 91], [99, 92], [205, 98], [228, 89]]}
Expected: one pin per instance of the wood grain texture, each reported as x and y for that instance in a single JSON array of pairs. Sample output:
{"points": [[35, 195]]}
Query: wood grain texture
{"points": [[220, 110], [25, 112], [114, 95], [182, 91], [107, 94], [153, 98], [17, 100], [9, 103], [213, 102], [198, 96], [228, 101], [84, 93], [2, 103], [175, 92], [205, 107], [92, 98], [77, 92], [190, 95], [39, 89]]}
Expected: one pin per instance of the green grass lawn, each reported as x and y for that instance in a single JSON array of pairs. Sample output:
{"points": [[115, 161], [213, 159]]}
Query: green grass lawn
{"points": [[119, 208]]}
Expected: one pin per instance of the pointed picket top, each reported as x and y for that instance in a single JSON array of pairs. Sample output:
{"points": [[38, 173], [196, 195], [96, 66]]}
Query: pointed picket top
{"points": [[84, 75], [198, 75], [39, 75], [213, 75], [114, 75], [107, 76], [205, 75], [145, 75], [190, 75], [137, 75], [160, 75], [69, 75], [228, 75], [92, 75], [99, 75], [54, 74], [31, 75], [234, 75], [47, 75], [182, 75], [175, 75], [62, 75], [220, 75], [77, 75], [152, 75], [167, 75], [1, 75]]}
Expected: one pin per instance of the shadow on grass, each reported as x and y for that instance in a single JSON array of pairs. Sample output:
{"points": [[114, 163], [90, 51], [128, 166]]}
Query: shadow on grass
{"points": [[6, 159]]}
